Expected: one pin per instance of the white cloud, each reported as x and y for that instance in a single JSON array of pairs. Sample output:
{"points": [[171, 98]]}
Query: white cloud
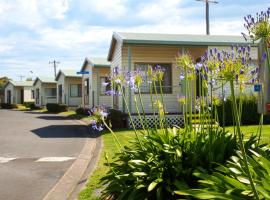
{"points": [[74, 36], [111, 9], [32, 13], [54, 9], [159, 10]]}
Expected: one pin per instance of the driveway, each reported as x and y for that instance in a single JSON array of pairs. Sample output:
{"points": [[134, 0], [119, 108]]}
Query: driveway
{"points": [[35, 151]]}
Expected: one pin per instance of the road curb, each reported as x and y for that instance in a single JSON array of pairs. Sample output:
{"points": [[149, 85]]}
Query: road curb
{"points": [[71, 181]]}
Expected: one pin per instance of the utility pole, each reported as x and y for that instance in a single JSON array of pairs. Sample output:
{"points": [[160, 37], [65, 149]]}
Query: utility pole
{"points": [[207, 13], [21, 77], [54, 62]]}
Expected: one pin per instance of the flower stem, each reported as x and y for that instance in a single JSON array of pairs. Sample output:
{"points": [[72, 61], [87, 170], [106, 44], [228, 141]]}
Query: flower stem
{"points": [[240, 138]]}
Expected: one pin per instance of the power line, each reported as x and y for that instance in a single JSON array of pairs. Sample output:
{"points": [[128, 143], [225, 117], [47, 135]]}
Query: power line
{"points": [[54, 62], [207, 13], [21, 77]]}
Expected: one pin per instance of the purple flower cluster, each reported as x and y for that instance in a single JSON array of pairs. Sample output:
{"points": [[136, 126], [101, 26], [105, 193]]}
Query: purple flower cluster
{"points": [[257, 26], [230, 65], [98, 114]]}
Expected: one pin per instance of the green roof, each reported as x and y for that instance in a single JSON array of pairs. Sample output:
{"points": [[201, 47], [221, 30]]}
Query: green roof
{"points": [[177, 39], [68, 73], [157, 38], [22, 83], [99, 62], [45, 80], [96, 62]]}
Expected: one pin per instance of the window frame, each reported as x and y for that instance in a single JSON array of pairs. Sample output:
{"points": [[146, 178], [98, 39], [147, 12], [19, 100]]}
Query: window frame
{"points": [[153, 64], [79, 91], [53, 89]]}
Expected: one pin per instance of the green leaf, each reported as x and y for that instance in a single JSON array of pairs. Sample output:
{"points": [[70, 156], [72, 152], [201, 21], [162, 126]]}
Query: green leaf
{"points": [[243, 179], [203, 194], [178, 153], [263, 192], [139, 174], [137, 162], [234, 170], [153, 184]]}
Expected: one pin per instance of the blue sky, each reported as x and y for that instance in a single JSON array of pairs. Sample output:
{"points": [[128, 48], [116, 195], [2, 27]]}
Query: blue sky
{"points": [[34, 32]]}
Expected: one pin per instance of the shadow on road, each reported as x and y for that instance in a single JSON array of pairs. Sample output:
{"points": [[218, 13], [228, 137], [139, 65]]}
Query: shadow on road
{"points": [[65, 131], [53, 117]]}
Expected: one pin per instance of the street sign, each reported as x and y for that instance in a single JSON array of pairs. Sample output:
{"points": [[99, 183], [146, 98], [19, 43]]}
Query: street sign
{"points": [[83, 72], [257, 88]]}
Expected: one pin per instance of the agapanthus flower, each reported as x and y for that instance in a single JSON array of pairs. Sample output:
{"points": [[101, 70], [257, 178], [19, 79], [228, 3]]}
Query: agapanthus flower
{"points": [[258, 27], [182, 77], [263, 57], [105, 84], [231, 65]]}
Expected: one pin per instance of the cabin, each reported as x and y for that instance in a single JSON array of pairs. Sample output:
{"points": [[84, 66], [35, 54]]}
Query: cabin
{"points": [[95, 72], [130, 51], [19, 92], [69, 88], [45, 91]]}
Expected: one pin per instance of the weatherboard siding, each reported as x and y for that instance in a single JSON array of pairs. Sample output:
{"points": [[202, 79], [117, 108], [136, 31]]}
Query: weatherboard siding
{"points": [[155, 54], [11, 88], [95, 85], [100, 99], [43, 98], [117, 62], [72, 101]]}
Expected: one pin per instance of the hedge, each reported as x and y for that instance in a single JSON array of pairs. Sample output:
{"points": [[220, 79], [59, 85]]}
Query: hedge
{"points": [[56, 108], [250, 115], [8, 106]]}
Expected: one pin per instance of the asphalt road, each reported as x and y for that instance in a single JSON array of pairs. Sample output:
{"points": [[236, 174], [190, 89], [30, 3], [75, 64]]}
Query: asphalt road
{"points": [[35, 151]]}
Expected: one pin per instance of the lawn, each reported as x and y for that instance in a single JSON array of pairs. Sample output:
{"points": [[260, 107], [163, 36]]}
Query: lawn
{"points": [[109, 148]]}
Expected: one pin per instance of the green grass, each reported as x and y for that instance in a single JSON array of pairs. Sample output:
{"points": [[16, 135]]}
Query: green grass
{"points": [[252, 129], [110, 149], [125, 136], [72, 114]]}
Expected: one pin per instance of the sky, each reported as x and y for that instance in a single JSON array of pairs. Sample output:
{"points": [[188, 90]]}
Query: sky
{"points": [[35, 32]]}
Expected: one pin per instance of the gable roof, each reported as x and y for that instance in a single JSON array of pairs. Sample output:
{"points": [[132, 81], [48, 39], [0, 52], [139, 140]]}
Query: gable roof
{"points": [[95, 62], [45, 80], [20, 83], [176, 39], [68, 73]]}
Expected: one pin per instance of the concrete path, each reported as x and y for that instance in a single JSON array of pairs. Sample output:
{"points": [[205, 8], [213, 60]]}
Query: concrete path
{"points": [[35, 152]]}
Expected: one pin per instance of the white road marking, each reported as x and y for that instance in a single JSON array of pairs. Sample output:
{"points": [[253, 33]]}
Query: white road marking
{"points": [[54, 159], [5, 160]]}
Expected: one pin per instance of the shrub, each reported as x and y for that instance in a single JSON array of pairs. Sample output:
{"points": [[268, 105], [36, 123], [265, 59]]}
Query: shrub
{"points": [[117, 119], [83, 111], [31, 106], [250, 115], [161, 162], [231, 181], [8, 106], [56, 108]]}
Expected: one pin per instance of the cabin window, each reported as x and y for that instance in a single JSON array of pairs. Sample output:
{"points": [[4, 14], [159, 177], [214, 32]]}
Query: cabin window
{"points": [[32, 94], [75, 90], [50, 92], [166, 83], [105, 85]]}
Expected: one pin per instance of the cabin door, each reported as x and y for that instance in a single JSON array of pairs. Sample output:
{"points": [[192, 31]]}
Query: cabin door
{"points": [[22, 96], [86, 92], [37, 96], [9, 96], [60, 92]]}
